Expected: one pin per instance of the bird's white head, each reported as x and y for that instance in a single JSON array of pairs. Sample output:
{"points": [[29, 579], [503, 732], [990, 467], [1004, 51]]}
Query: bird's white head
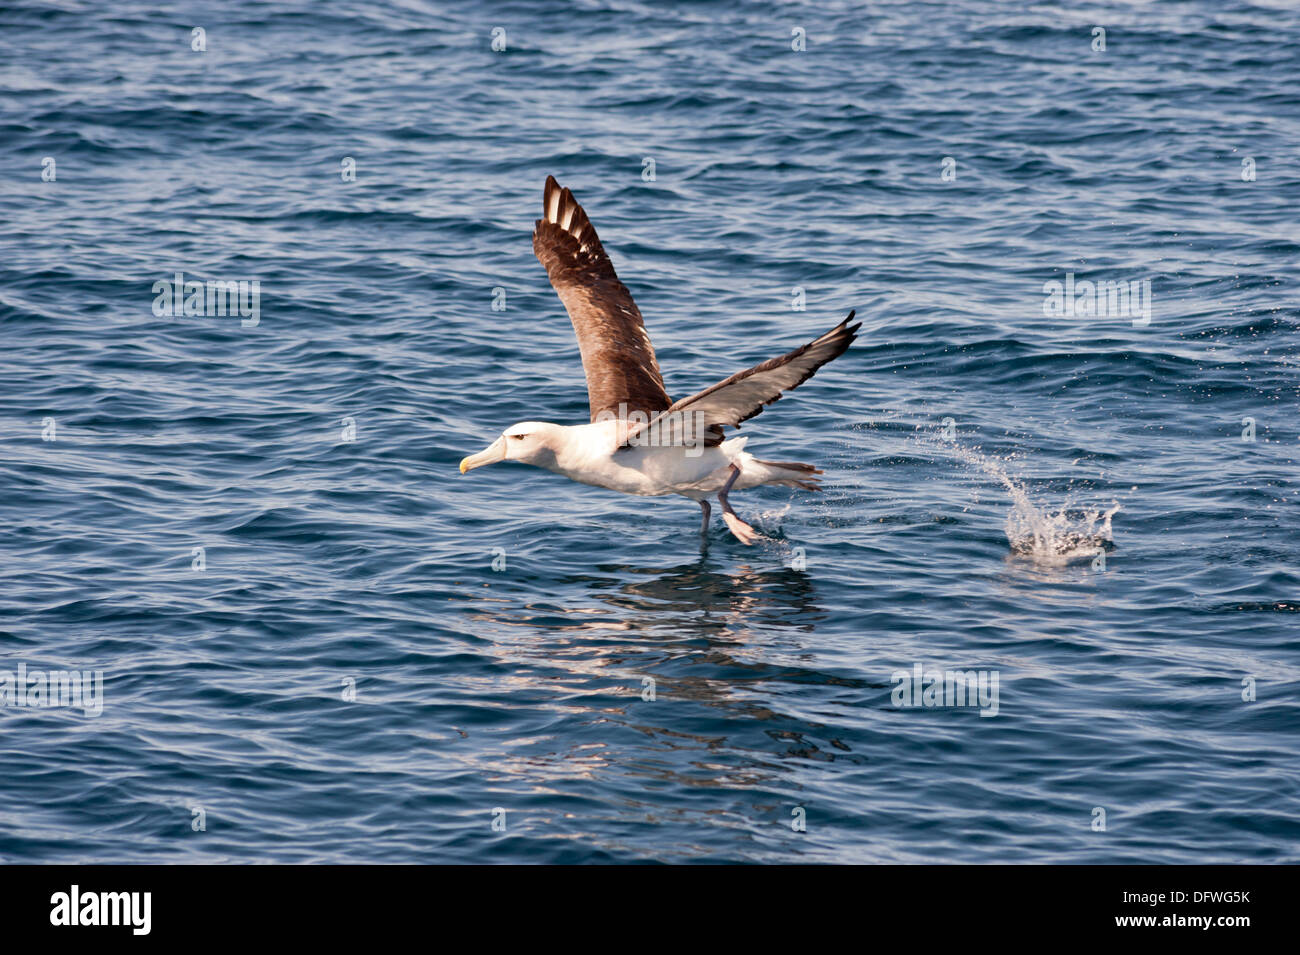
{"points": [[528, 442]]}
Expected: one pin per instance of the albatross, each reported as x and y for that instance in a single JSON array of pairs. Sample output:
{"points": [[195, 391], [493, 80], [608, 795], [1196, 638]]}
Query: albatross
{"points": [[639, 441]]}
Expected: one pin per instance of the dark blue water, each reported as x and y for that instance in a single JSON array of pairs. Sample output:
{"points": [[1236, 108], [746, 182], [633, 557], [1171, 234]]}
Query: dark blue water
{"points": [[227, 730]]}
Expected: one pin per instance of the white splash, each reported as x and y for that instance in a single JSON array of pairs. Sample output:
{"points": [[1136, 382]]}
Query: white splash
{"points": [[771, 518], [1038, 533]]}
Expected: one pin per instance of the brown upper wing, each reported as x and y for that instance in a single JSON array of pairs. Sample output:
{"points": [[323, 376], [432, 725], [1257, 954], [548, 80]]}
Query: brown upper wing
{"points": [[746, 393], [622, 373]]}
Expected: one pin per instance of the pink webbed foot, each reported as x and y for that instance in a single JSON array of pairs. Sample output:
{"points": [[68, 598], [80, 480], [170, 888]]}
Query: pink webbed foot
{"points": [[742, 531]]}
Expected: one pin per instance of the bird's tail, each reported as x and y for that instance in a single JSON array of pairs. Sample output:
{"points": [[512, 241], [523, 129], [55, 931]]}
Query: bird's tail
{"points": [[792, 474]]}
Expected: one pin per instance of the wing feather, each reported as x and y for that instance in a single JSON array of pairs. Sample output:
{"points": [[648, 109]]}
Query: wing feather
{"points": [[622, 373], [746, 393]]}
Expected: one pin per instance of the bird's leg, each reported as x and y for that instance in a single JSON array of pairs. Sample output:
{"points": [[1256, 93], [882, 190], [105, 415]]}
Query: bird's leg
{"points": [[742, 531], [704, 526]]}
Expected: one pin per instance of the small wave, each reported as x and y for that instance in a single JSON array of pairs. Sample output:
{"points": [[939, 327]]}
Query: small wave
{"points": [[1277, 606]]}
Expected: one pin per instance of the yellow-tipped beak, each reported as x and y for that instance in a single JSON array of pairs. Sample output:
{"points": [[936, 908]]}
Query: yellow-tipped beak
{"points": [[490, 455]]}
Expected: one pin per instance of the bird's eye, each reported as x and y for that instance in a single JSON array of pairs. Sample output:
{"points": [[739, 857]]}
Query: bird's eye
{"points": [[517, 437]]}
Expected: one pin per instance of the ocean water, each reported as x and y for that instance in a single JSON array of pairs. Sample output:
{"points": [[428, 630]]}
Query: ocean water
{"points": [[320, 643]]}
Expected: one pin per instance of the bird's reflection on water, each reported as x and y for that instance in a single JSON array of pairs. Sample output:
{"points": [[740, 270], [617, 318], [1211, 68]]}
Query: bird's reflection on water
{"points": [[697, 601], [693, 606], [695, 658]]}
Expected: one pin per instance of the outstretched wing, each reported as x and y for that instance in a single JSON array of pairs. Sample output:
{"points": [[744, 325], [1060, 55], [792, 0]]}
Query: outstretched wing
{"points": [[622, 373], [746, 393]]}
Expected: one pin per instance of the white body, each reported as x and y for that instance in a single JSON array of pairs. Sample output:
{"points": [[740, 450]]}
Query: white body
{"points": [[587, 453], [591, 454]]}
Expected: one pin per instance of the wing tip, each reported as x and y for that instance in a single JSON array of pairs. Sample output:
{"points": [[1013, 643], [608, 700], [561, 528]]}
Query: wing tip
{"points": [[560, 208], [843, 332]]}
